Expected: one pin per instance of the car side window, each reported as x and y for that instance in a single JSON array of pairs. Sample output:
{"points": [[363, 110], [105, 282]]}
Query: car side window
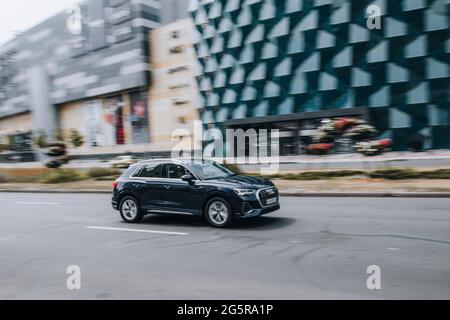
{"points": [[151, 171], [175, 171]]}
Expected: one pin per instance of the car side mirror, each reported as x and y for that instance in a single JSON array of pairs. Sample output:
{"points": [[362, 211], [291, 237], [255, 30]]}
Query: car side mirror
{"points": [[188, 178]]}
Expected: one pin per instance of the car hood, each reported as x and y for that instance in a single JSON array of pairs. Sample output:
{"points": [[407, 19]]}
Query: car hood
{"points": [[243, 182]]}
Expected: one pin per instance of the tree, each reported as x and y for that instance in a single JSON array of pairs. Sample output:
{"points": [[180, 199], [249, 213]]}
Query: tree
{"points": [[40, 139], [76, 138], [59, 134], [5, 143]]}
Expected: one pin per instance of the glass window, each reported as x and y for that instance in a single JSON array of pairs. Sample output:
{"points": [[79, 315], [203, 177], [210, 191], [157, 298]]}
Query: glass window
{"points": [[235, 39], [397, 73], [220, 80], [380, 98], [256, 35], [419, 94], [294, 6], [342, 14], [399, 119], [296, 43], [249, 93], [175, 171], [229, 96], [210, 170], [379, 53], [343, 58], [325, 40], [327, 82], [270, 50], [281, 29], [153, 170], [309, 22], [360, 78], [358, 34], [413, 5], [259, 73], [394, 28], [240, 112], [284, 68], [271, 90], [286, 107], [435, 20], [417, 48], [436, 69], [268, 11]]}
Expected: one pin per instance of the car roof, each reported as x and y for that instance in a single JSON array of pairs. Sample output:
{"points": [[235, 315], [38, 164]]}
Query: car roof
{"points": [[176, 161]]}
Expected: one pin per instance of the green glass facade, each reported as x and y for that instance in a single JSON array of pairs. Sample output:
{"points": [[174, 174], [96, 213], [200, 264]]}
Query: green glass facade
{"points": [[264, 57]]}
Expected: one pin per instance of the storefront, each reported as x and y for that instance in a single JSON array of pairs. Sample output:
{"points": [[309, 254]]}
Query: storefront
{"points": [[296, 130]]}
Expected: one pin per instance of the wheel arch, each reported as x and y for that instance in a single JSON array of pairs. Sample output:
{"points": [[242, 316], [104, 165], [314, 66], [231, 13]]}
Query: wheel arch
{"points": [[127, 193], [215, 194]]}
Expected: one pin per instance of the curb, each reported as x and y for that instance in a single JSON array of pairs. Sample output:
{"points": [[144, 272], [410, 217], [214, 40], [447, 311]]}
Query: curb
{"points": [[283, 194]]}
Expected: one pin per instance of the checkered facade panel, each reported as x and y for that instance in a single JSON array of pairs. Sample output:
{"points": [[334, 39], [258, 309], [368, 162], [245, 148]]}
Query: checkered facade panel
{"points": [[267, 57]]}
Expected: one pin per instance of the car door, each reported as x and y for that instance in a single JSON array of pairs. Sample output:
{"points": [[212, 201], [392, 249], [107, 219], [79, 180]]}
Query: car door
{"points": [[180, 196], [149, 185]]}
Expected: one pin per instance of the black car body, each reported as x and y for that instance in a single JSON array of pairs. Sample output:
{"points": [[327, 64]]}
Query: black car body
{"points": [[195, 187]]}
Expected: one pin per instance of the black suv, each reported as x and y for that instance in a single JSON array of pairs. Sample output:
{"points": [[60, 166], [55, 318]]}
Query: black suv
{"points": [[195, 187]]}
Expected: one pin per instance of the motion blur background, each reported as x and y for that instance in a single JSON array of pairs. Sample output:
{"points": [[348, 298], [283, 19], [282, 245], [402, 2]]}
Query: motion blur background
{"points": [[127, 73]]}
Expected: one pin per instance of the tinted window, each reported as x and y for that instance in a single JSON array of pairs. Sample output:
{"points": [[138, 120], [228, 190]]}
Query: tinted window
{"points": [[175, 171], [151, 171], [210, 170]]}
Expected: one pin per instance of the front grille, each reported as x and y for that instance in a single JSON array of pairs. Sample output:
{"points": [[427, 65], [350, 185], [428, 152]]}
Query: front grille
{"points": [[266, 197]]}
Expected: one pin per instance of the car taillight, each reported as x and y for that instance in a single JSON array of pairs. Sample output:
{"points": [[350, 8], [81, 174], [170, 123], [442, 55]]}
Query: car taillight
{"points": [[115, 185]]}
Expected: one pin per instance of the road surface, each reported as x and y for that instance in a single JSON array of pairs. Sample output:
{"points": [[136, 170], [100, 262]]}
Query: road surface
{"points": [[314, 248]]}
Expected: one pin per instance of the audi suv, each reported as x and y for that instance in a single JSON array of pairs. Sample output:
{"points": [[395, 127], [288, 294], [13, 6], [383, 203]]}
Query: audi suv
{"points": [[194, 187]]}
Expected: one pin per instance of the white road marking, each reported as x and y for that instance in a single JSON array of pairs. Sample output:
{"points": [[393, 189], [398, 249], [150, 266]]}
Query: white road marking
{"points": [[39, 203], [393, 248], [139, 230]]}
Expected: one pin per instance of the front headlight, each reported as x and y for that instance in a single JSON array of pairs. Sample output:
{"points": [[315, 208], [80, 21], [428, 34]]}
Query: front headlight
{"points": [[244, 192]]}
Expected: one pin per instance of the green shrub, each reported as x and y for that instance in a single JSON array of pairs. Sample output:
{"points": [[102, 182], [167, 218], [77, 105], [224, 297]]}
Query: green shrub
{"points": [[317, 175], [103, 172], [61, 176], [403, 174], [438, 174]]}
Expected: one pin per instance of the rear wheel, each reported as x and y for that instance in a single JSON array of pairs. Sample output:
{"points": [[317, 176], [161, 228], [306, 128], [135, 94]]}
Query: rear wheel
{"points": [[130, 210], [218, 213]]}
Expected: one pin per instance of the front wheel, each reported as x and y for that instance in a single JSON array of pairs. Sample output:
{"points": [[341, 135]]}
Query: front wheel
{"points": [[218, 213], [130, 210]]}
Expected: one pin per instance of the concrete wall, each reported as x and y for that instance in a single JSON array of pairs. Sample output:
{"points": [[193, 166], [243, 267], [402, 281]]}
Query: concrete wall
{"points": [[174, 93], [18, 123]]}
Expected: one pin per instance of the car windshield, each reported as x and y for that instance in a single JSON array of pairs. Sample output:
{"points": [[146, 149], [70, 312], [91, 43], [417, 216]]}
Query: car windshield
{"points": [[210, 170]]}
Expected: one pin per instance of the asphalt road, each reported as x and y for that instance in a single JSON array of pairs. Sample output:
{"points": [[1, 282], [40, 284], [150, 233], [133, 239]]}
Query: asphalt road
{"points": [[314, 248]]}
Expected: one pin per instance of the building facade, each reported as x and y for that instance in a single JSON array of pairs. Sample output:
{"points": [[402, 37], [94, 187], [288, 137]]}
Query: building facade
{"points": [[174, 96], [291, 64], [90, 69], [173, 10]]}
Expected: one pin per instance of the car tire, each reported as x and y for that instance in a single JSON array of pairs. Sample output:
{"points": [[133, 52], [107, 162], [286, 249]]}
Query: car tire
{"points": [[218, 213], [130, 210]]}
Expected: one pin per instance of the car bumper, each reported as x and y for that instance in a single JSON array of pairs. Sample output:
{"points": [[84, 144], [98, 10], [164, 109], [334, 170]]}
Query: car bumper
{"points": [[252, 209], [115, 205]]}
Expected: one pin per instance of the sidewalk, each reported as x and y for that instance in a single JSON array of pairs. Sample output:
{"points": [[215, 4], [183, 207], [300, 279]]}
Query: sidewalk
{"points": [[442, 155], [340, 187]]}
